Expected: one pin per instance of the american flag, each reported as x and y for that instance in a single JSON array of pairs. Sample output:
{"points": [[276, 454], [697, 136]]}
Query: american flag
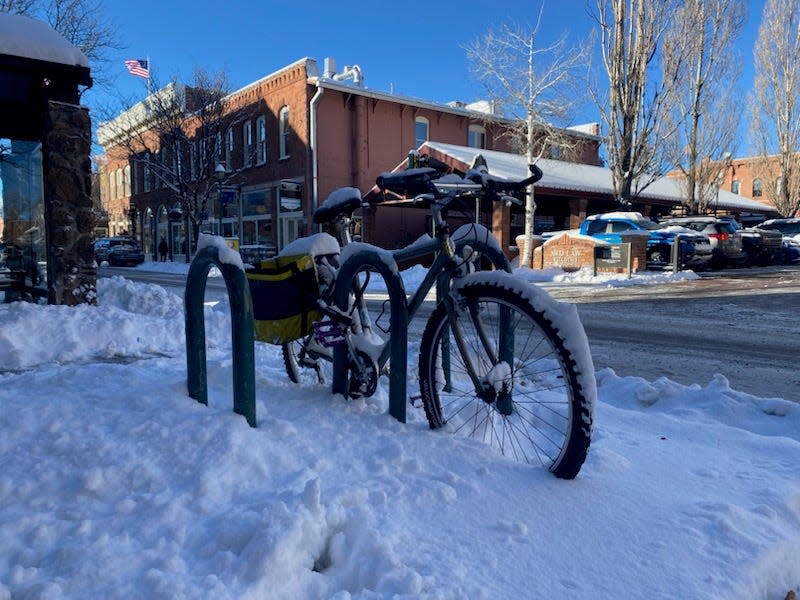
{"points": [[139, 68]]}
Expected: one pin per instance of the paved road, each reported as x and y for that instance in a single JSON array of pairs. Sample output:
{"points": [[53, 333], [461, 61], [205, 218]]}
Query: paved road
{"points": [[741, 323]]}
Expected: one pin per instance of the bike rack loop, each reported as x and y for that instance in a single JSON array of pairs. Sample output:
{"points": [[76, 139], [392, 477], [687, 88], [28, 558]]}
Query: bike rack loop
{"points": [[382, 262], [242, 336]]}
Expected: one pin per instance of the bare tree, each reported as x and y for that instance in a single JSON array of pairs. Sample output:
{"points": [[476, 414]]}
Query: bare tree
{"points": [[638, 91], [776, 114], [81, 22], [699, 49], [532, 84], [176, 139]]}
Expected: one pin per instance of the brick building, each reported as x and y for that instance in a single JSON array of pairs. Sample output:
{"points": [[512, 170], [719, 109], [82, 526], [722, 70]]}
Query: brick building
{"points": [[307, 134], [753, 177]]}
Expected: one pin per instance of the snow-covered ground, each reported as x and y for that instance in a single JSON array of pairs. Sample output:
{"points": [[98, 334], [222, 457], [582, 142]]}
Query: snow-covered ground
{"points": [[115, 484]]}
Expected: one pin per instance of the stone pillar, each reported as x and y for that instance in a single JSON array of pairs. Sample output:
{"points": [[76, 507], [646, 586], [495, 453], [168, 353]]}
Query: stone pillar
{"points": [[501, 226], [69, 215], [536, 242], [638, 241]]}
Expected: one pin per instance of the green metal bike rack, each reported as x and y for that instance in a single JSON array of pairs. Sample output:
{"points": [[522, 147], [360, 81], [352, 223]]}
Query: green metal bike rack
{"points": [[380, 261], [242, 336]]}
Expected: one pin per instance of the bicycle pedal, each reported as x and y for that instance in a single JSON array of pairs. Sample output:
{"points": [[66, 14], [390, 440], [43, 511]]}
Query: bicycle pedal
{"points": [[329, 333], [415, 400]]}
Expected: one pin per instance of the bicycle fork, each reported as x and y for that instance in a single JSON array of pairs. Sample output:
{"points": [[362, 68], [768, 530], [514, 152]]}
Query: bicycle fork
{"points": [[492, 385]]}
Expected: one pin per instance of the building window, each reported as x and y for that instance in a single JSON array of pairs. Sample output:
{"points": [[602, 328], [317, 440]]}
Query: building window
{"points": [[120, 189], [284, 131], [757, 188], [476, 137], [126, 181], [112, 186], [261, 140], [736, 186], [247, 139], [229, 148], [421, 131], [778, 186]]}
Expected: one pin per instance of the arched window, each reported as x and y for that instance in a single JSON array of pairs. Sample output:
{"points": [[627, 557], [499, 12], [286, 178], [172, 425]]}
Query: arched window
{"points": [[421, 131], [757, 188], [261, 140], [735, 186], [120, 189], [283, 120], [476, 137], [112, 186]]}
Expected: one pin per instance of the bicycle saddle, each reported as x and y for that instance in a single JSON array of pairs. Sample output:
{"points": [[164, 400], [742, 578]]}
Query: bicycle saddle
{"points": [[343, 201]]}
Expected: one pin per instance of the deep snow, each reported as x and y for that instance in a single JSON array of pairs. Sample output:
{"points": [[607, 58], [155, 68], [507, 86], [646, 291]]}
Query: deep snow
{"points": [[115, 484]]}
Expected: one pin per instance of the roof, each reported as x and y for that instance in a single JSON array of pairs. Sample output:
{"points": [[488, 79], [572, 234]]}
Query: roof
{"points": [[25, 37], [576, 177]]}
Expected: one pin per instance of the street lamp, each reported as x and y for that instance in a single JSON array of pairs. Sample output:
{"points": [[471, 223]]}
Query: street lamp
{"points": [[219, 175]]}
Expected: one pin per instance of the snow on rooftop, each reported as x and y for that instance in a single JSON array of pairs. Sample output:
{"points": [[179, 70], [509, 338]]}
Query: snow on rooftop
{"points": [[576, 177], [28, 38]]}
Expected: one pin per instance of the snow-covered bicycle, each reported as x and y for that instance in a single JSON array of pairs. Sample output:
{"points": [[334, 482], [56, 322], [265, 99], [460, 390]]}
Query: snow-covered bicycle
{"points": [[500, 360]]}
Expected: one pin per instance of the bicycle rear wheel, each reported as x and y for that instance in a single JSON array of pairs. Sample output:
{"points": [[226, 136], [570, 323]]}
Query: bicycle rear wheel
{"points": [[502, 373], [307, 367]]}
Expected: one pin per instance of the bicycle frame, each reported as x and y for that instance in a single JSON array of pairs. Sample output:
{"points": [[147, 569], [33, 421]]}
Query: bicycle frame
{"points": [[444, 248]]}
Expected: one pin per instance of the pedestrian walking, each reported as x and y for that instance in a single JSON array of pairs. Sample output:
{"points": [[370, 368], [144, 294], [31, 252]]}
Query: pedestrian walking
{"points": [[163, 249]]}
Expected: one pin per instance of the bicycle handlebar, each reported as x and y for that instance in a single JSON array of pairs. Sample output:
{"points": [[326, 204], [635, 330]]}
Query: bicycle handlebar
{"points": [[423, 180]]}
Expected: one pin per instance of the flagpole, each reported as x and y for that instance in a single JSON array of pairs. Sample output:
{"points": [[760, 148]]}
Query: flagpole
{"points": [[149, 76]]}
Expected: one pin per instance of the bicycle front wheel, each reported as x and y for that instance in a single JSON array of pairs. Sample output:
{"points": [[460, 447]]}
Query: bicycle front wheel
{"points": [[498, 370]]}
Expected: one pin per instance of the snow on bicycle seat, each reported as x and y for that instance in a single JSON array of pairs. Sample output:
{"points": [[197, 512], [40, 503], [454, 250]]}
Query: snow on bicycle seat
{"points": [[316, 244], [340, 202]]}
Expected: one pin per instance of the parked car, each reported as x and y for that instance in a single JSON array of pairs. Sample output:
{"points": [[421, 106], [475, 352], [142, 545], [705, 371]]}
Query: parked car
{"points": [[787, 227], [103, 245], [791, 251], [727, 247], [790, 230], [695, 247], [762, 246], [125, 254]]}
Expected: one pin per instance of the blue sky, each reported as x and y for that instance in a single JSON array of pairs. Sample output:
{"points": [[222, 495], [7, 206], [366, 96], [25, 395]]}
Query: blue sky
{"points": [[415, 49]]}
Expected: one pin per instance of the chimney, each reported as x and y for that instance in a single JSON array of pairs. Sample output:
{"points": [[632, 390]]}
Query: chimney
{"points": [[329, 67]]}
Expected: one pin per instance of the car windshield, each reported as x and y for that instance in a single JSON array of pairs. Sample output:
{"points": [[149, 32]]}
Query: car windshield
{"points": [[648, 224], [784, 227]]}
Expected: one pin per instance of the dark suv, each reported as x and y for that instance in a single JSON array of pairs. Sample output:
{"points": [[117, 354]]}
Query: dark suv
{"points": [[787, 227], [762, 246]]}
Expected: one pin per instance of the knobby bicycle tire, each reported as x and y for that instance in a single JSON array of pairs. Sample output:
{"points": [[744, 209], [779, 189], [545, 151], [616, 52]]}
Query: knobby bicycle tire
{"points": [[537, 410]]}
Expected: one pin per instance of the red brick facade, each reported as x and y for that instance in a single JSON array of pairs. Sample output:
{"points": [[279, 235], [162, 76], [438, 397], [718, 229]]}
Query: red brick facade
{"points": [[339, 134]]}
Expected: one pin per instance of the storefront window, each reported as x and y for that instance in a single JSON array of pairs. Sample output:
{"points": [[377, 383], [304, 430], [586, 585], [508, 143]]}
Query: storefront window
{"points": [[22, 230]]}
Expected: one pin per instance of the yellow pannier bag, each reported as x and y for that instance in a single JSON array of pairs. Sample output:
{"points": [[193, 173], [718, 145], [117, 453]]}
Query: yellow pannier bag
{"points": [[285, 293]]}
